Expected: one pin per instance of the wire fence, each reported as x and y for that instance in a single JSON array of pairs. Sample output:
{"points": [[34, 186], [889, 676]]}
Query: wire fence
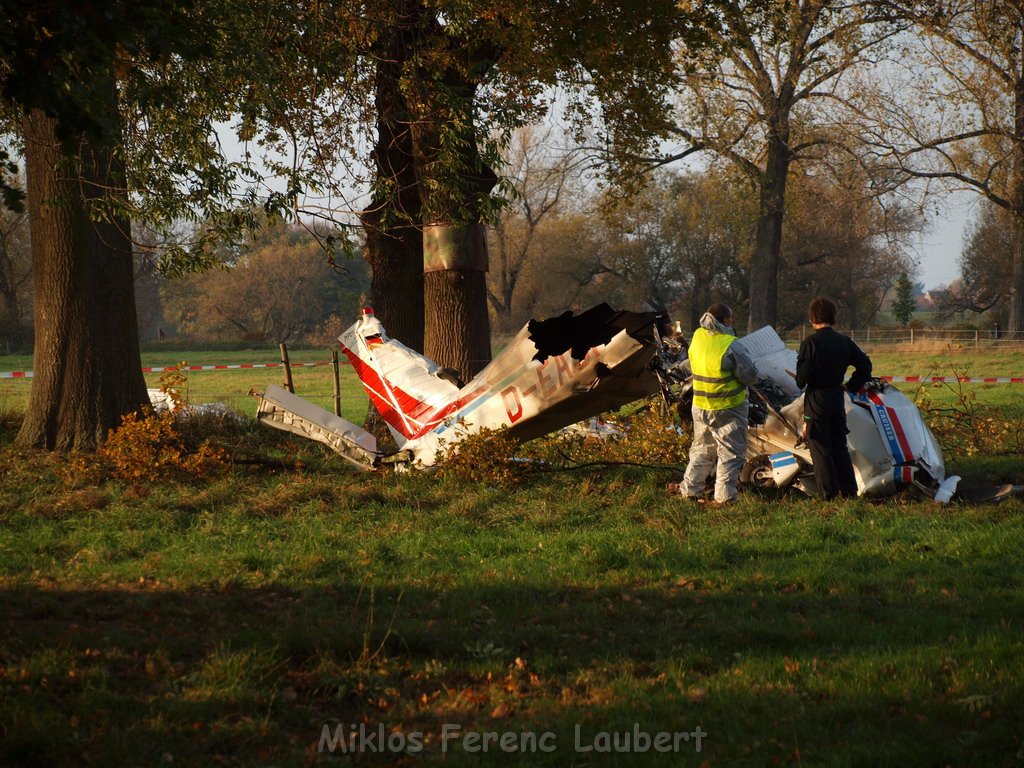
{"points": [[925, 337]]}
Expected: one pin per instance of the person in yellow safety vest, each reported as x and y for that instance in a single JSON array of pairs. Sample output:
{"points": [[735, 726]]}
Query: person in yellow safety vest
{"points": [[721, 372]]}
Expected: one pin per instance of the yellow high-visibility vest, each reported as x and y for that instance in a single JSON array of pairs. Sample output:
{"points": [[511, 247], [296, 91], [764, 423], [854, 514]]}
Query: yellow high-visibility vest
{"points": [[713, 388]]}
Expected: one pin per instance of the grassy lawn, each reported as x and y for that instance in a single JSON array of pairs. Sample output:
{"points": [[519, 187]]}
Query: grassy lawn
{"points": [[315, 383], [227, 621], [229, 386]]}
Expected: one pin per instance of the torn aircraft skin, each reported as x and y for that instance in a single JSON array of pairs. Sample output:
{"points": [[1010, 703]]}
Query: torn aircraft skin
{"points": [[554, 373]]}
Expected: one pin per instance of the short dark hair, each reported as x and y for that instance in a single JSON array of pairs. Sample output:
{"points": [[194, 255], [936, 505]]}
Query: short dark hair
{"points": [[822, 311], [720, 312]]}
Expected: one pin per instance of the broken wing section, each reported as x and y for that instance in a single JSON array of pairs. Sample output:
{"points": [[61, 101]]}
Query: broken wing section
{"points": [[281, 409]]}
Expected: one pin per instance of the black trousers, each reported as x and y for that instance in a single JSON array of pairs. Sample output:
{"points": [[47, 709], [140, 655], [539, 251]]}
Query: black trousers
{"points": [[825, 412]]}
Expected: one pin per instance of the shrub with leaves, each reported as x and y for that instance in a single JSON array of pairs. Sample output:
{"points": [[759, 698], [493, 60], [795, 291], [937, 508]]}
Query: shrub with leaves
{"points": [[967, 427], [150, 447], [174, 384], [485, 457], [646, 437]]}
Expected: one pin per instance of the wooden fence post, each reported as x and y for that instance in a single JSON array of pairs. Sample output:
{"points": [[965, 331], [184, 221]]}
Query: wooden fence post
{"points": [[977, 337], [337, 383], [911, 337], [288, 384]]}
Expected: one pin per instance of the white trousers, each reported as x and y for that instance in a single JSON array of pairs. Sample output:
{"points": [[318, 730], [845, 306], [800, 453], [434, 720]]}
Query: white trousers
{"points": [[719, 444]]}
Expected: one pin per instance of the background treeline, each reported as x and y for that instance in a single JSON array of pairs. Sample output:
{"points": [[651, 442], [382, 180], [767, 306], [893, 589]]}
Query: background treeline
{"points": [[562, 242]]}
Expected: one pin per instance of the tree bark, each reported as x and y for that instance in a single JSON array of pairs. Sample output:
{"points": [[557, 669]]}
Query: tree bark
{"points": [[87, 364], [1015, 322], [394, 239], [764, 265], [456, 331]]}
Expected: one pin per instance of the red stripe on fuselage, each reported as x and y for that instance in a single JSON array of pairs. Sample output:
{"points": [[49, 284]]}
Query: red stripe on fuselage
{"points": [[897, 427], [449, 410], [409, 408]]}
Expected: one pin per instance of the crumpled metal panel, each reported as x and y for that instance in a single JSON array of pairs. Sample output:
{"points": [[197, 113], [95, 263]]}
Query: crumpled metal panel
{"points": [[282, 410]]}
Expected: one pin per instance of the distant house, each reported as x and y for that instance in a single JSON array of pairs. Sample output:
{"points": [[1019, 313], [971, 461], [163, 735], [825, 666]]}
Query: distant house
{"points": [[931, 299]]}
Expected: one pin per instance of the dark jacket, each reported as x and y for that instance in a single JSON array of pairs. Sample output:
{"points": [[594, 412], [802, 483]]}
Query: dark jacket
{"points": [[823, 359]]}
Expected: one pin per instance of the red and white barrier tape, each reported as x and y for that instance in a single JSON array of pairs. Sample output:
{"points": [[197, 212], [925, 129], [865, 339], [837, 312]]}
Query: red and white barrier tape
{"points": [[245, 366], [234, 367], [961, 379]]}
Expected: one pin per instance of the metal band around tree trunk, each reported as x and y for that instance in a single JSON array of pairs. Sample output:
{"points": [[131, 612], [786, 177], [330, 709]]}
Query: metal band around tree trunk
{"points": [[454, 246]]}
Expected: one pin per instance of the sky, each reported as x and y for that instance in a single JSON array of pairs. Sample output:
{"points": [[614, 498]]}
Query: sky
{"points": [[938, 248]]}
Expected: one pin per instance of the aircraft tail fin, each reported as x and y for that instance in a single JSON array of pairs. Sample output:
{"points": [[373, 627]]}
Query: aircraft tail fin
{"points": [[406, 388]]}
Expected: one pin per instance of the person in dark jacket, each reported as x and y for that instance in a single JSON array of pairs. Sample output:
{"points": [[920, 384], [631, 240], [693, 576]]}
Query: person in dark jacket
{"points": [[820, 369]]}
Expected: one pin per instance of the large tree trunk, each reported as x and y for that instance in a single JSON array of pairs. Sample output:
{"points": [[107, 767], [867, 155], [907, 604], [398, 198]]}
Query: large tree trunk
{"points": [[456, 331], [764, 266], [394, 239], [87, 364], [392, 225], [1015, 323]]}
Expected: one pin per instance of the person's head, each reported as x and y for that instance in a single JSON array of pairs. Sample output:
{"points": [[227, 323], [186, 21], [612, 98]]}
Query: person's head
{"points": [[822, 311], [722, 313]]}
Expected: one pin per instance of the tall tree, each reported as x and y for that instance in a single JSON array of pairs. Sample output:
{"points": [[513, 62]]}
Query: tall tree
{"points": [[392, 222], [470, 73], [842, 240], [757, 99], [958, 111], [985, 261], [903, 301], [87, 376], [59, 70], [543, 173], [679, 244]]}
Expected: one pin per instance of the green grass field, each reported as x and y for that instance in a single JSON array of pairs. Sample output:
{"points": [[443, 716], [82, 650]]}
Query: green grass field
{"points": [[316, 384], [230, 386], [227, 621]]}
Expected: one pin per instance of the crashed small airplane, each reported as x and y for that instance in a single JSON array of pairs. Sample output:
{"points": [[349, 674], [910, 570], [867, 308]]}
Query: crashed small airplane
{"points": [[559, 371], [890, 443], [554, 373]]}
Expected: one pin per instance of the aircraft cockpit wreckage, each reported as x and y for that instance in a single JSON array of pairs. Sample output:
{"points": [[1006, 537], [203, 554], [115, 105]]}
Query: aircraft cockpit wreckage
{"points": [[562, 370]]}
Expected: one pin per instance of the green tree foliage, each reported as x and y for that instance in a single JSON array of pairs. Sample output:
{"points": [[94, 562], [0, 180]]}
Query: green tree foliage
{"points": [[56, 56], [903, 300]]}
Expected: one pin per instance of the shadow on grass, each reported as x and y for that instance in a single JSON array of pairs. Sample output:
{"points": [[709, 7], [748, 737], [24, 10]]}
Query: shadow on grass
{"points": [[773, 673]]}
